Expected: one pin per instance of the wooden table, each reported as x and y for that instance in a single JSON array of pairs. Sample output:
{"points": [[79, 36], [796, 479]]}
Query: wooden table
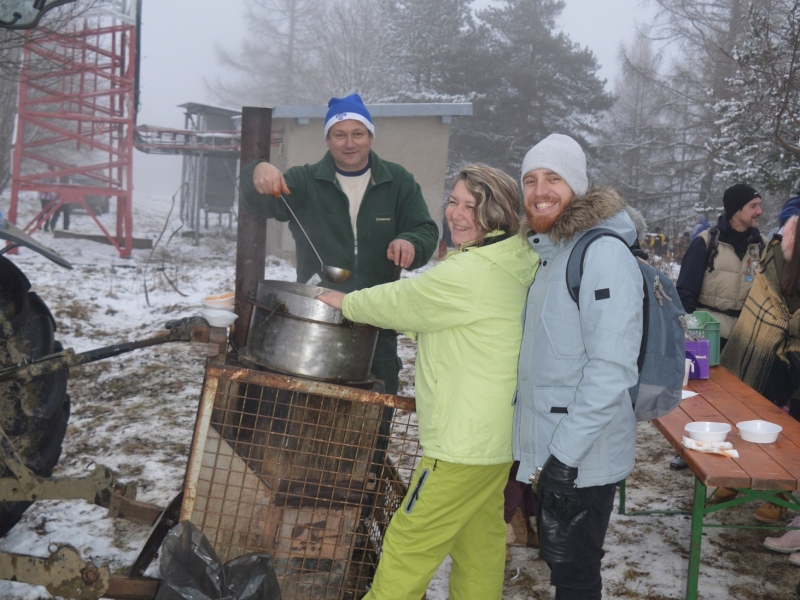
{"points": [[760, 472]]}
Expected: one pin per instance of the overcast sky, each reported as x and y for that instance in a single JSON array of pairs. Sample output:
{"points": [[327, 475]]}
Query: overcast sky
{"points": [[177, 59]]}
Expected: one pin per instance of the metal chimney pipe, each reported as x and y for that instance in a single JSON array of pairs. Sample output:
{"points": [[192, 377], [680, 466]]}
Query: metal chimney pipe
{"points": [[251, 239]]}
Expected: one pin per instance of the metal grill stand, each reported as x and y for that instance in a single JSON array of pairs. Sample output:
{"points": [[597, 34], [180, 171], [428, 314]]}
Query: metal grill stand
{"points": [[292, 467]]}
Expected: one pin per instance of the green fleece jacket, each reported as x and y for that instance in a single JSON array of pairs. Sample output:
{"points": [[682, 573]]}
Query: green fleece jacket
{"points": [[466, 316], [392, 208]]}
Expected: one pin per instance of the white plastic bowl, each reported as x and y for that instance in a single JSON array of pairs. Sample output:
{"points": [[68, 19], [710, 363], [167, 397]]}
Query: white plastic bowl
{"points": [[707, 431], [219, 300], [230, 308], [217, 317], [759, 432]]}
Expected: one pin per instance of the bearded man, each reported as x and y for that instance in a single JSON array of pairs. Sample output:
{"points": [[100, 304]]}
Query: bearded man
{"points": [[575, 431]]}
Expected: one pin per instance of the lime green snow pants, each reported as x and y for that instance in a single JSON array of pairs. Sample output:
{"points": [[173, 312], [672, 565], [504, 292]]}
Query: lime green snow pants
{"points": [[450, 509]]}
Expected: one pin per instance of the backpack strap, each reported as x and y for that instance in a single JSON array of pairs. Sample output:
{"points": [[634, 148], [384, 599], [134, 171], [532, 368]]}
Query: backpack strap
{"points": [[575, 273], [575, 260], [712, 248]]}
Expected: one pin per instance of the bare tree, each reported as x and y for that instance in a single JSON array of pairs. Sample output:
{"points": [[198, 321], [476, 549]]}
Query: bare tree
{"points": [[9, 74], [703, 35], [11, 55], [351, 53], [760, 124], [272, 64]]}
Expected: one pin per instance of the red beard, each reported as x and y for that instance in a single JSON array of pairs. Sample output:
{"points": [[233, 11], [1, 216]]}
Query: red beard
{"points": [[541, 223]]}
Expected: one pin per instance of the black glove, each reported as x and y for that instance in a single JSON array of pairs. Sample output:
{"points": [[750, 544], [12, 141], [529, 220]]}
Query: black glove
{"points": [[560, 510]]}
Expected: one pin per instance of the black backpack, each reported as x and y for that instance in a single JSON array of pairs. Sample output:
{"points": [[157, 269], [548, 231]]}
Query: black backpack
{"points": [[662, 355]]}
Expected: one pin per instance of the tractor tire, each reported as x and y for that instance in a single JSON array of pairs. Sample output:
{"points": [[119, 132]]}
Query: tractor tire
{"points": [[33, 415]]}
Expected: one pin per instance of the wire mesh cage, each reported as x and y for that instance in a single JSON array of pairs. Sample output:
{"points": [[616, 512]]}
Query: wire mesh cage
{"points": [[308, 472]]}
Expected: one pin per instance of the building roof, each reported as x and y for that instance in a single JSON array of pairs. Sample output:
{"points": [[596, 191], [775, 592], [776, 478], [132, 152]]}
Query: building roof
{"points": [[445, 110], [410, 109], [197, 108]]}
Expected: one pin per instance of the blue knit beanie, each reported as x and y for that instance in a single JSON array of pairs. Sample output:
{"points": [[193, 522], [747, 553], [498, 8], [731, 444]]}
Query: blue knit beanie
{"points": [[790, 209], [349, 107]]}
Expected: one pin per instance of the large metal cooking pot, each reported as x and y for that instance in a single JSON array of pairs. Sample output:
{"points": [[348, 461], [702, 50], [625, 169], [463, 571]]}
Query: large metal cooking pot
{"points": [[292, 332]]}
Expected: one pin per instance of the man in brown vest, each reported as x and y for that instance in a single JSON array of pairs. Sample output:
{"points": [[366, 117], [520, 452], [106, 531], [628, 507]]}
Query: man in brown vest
{"points": [[716, 274], [720, 264]]}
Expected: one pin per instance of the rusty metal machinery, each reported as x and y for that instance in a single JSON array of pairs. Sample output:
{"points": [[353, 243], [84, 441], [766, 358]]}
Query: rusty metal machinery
{"points": [[63, 573], [34, 410], [183, 330]]}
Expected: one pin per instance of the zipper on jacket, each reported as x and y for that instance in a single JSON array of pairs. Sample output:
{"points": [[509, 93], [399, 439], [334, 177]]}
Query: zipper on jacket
{"points": [[355, 253]]}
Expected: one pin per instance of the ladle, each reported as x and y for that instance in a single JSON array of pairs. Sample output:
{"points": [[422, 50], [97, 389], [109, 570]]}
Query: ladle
{"points": [[334, 274]]}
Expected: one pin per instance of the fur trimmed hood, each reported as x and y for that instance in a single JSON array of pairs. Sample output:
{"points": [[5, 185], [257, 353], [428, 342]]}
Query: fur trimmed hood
{"points": [[639, 221], [584, 212]]}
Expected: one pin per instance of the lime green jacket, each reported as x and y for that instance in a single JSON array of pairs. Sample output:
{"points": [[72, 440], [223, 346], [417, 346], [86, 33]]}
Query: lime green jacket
{"points": [[466, 316]]}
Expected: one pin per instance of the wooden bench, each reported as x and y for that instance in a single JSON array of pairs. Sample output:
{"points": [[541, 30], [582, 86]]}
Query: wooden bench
{"points": [[760, 473]]}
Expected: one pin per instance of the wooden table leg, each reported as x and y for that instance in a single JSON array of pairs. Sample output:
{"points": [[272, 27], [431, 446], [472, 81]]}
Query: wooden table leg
{"points": [[696, 539]]}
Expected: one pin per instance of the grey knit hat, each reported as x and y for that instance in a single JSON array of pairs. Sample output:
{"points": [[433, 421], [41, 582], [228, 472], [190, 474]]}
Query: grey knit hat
{"points": [[563, 155]]}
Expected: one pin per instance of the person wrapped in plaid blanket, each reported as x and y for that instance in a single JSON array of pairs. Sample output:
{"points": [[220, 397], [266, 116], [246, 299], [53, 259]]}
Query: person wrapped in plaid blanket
{"points": [[764, 347]]}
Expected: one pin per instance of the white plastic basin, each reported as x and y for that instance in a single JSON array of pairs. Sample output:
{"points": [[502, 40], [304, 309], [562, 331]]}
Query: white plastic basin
{"points": [[759, 432], [707, 431], [217, 317], [219, 300], [230, 308]]}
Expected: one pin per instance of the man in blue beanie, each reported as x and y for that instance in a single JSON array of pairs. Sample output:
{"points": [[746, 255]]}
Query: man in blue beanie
{"points": [[362, 213]]}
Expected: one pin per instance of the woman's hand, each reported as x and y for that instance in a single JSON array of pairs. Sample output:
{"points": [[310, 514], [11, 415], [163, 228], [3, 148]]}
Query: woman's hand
{"points": [[332, 298]]}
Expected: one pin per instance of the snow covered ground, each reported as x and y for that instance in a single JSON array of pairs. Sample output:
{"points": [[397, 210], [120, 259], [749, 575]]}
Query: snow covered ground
{"points": [[135, 413]]}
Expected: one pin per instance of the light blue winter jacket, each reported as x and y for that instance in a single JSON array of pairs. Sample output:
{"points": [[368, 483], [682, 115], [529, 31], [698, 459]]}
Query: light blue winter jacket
{"points": [[576, 366]]}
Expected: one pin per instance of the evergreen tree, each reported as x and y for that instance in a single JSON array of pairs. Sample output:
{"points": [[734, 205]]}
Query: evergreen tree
{"points": [[759, 125], [426, 41], [529, 81]]}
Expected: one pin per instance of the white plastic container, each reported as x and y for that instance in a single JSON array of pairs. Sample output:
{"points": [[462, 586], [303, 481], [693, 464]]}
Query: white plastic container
{"points": [[707, 431], [230, 308], [758, 431], [217, 317], [219, 300]]}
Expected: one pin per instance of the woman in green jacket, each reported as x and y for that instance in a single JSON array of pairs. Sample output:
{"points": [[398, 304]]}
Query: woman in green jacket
{"points": [[465, 314]]}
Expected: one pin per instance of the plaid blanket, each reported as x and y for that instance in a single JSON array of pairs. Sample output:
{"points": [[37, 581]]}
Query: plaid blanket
{"points": [[764, 347]]}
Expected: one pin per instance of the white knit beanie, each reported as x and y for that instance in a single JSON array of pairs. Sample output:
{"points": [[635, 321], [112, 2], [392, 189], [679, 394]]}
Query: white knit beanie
{"points": [[560, 154]]}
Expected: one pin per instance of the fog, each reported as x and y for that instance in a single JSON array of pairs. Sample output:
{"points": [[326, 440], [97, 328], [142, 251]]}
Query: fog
{"points": [[178, 58]]}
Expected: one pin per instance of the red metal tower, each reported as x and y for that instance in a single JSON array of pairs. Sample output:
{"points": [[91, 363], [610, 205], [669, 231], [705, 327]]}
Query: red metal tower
{"points": [[76, 118]]}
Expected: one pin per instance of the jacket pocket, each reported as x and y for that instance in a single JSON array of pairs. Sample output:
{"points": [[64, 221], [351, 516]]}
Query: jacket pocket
{"points": [[561, 323], [378, 226]]}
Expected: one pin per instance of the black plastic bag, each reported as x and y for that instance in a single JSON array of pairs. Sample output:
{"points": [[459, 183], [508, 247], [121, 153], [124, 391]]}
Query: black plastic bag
{"points": [[191, 570]]}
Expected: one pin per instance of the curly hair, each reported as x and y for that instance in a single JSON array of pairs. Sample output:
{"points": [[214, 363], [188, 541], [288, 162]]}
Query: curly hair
{"points": [[497, 199]]}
